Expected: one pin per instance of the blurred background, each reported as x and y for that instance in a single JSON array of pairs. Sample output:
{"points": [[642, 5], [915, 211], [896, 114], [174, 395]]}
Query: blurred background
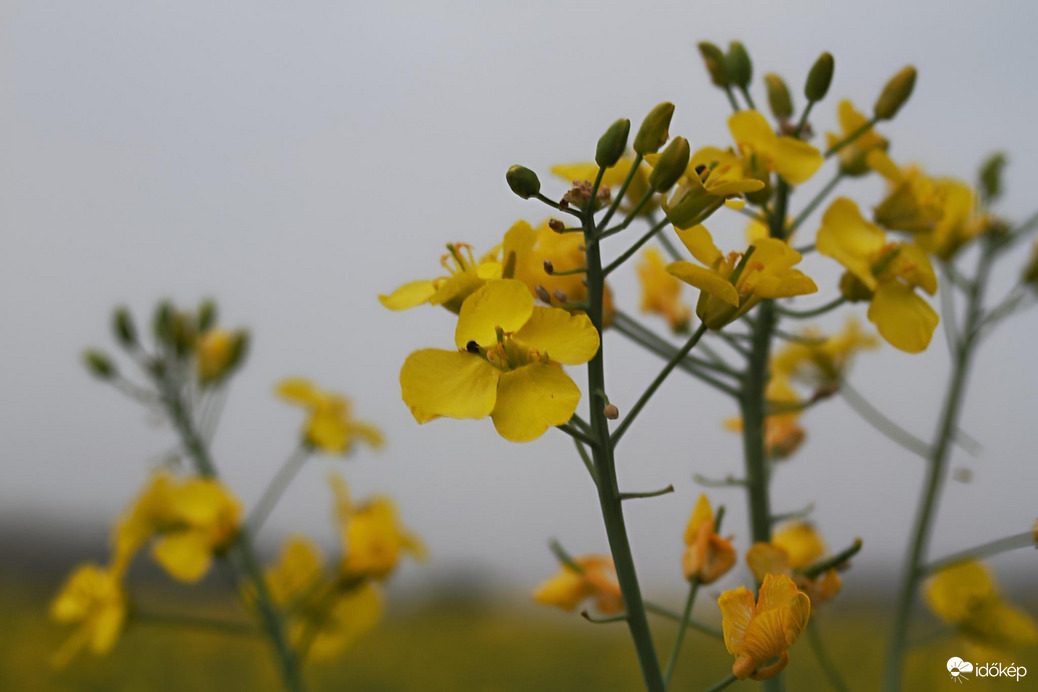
{"points": [[294, 161]]}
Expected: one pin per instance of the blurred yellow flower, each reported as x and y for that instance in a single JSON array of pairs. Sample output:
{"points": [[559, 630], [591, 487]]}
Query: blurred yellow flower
{"points": [[661, 292], [374, 539], [707, 557], [331, 427], [297, 570], [783, 433], [190, 520], [793, 548], [713, 177], [793, 160], [215, 350], [464, 276], [852, 155], [507, 366], [822, 363], [93, 598], [595, 577], [352, 614], [885, 273], [613, 178], [755, 632], [966, 596], [731, 285], [914, 201]]}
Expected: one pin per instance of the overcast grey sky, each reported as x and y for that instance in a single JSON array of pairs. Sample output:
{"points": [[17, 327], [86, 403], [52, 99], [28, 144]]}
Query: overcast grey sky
{"points": [[296, 159]]}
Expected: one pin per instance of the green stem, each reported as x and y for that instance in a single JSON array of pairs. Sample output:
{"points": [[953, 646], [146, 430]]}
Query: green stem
{"points": [[938, 463], [618, 199], [656, 383], [813, 312], [1014, 542], [878, 420], [813, 204], [669, 614], [731, 99], [851, 137], [686, 615], [242, 548], [194, 622], [832, 672], [586, 458], [834, 561], [650, 493], [717, 687], [277, 486], [803, 118], [635, 247], [605, 471]]}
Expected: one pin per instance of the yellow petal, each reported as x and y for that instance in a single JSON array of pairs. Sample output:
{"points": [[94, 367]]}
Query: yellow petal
{"points": [[801, 542], [185, 555], [565, 338], [849, 239], [563, 590], [107, 626], [736, 613], [507, 304], [955, 592], [913, 265], [705, 280], [456, 384], [299, 391], [531, 399], [701, 514], [878, 161], [904, 319], [408, 295], [750, 129], [352, 616], [795, 161], [765, 558], [792, 283], [698, 241]]}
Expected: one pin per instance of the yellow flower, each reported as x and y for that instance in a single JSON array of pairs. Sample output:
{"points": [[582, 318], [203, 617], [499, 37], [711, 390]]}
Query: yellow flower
{"points": [[887, 274], [507, 365], [191, 519], [730, 285], [792, 159], [564, 251], [613, 178], [757, 632], [960, 222], [465, 275], [351, 615], [374, 539], [215, 351], [914, 201], [713, 177], [595, 577], [966, 596], [298, 569], [783, 433], [707, 557], [92, 597], [794, 548], [661, 292], [852, 156], [331, 427], [825, 362]]}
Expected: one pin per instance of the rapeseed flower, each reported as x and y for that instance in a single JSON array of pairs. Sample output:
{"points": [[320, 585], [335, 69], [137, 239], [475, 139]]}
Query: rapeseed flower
{"points": [[331, 427], [713, 177], [93, 598], [852, 155], [794, 160], [886, 274], [464, 275], [794, 548], [507, 365], [661, 292], [783, 433], [822, 362], [707, 556], [757, 631], [590, 576]]}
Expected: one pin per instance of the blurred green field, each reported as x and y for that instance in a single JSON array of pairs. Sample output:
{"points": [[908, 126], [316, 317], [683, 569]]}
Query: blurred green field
{"points": [[443, 644]]}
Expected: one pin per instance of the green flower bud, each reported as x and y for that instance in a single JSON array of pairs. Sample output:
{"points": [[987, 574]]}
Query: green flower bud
{"points": [[671, 165], [819, 78], [206, 315], [182, 333], [123, 327], [99, 364], [895, 93], [611, 145], [523, 181], [991, 176], [239, 350], [161, 322], [655, 129], [740, 69], [779, 100], [715, 63]]}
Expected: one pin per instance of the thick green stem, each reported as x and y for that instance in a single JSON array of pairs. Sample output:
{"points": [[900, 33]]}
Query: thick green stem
{"points": [[936, 472], [608, 490], [242, 551]]}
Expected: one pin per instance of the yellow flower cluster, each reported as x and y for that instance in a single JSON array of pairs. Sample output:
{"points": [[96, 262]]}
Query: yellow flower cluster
{"points": [[330, 427]]}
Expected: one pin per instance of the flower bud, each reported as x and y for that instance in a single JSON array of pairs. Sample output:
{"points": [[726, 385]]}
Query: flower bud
{"points": [[671, 165], [991, 176], [523, 181], [740, 69], [206, 315], [779, 100], [715, 63], [239, 350], [1030, 273], [895, 93], [611, 412], [123, 327], [99, 364], [819, 78], [655, 129], [612, 144], [556, 225], [161, 321]]}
